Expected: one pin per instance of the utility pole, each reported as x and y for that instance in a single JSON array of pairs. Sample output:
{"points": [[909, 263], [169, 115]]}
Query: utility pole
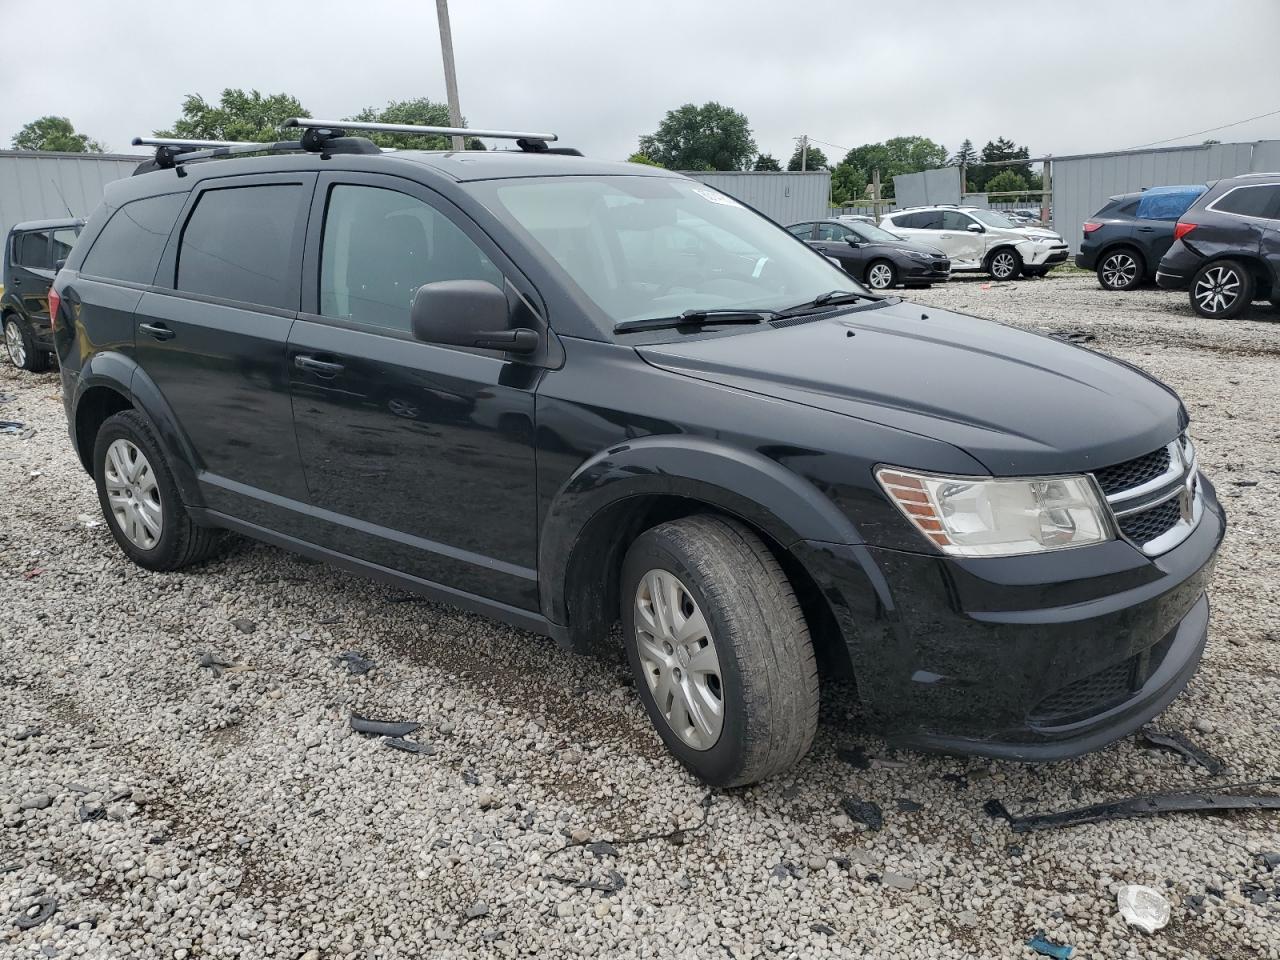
{"points": [[875, 192], [1046, 184], [804, 152], [450, 75]]}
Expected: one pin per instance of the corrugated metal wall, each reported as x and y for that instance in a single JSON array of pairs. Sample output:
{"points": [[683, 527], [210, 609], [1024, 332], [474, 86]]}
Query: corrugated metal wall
{"points": [[1082, 184], [929, 186], [33, 186], [783, 197]]}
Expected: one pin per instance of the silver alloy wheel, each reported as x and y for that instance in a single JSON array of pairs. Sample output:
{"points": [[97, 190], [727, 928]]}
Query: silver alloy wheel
{"points": [[679, 658], [1002, 265], [1217, 289], [880, 276], [1119, 270], [13, 343], [133, 494]]}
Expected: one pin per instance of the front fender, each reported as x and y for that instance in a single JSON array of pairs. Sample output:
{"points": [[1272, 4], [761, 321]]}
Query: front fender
{"points": [[787, 507]]}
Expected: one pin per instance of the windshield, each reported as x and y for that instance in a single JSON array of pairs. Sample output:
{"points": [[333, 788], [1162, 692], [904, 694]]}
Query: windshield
{"points": [[649, 247], [873, 234], [992, 219]]}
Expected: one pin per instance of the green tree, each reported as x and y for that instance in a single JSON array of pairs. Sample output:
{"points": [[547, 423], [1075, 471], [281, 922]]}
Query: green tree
{"points": [[965, 156], [998, 150], [897, 156], [817, 160], [709, 137], [641, 158], [423, 112], [848, 184], [766, 161], [237, 116], [1006, 181], [55, 134]]}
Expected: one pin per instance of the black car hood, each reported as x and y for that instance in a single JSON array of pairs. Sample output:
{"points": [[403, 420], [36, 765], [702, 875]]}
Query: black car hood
{"points": [[1018, 402]]}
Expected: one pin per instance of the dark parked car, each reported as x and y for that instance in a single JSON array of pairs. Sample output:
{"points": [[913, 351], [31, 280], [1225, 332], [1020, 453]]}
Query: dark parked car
{"points": [[1226, 248], [31, 254], [878, 258], [564, 392], [1125, 240]]}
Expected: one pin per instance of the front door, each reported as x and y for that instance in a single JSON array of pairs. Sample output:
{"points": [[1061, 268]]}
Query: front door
{"points": [[833, 240], [964, 246], [417, 457]]}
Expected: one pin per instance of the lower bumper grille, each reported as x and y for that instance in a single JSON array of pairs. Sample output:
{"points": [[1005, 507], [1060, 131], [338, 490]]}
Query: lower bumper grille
{"points": [[1087, 695]]}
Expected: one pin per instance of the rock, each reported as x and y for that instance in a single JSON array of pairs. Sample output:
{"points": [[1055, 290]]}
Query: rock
{"points": [[311, 954], [602, 910], [243, 625], [1203, 725], [564, 909], [486, 799], [477, 909], [37, 801], [898, 881], [817, 863], [580, 835], [968, 918]]}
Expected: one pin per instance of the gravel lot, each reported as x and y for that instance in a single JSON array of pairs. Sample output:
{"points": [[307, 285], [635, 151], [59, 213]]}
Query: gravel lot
{"points": [[188, 811]]}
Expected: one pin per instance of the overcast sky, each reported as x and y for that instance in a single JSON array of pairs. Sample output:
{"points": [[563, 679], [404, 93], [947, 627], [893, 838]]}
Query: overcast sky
{"points": [[1060, 78]]}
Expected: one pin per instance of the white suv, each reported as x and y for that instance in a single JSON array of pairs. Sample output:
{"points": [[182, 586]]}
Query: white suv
{"points": [[980, 240]]}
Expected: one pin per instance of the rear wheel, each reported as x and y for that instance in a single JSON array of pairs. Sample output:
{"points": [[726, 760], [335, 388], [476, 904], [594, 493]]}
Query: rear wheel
{"points": [[1120, 269], [20, 345], [720, 650], [1004, 264], [1221, 289], [881, 275]]}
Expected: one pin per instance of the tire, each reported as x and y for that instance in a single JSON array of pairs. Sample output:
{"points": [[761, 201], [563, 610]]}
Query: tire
{"points": [[1221, 289], [1036, 272], [1122, 268], [127, 456], [761, 669], [881, 275], [1004, 263], [20, 345]]}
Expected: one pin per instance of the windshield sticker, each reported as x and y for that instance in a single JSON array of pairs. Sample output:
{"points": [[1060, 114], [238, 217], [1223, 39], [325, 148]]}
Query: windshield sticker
{"points": [[716, 197]]}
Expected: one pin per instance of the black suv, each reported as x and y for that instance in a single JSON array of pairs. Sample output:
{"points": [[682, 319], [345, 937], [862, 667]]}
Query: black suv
{"points": [[564, 393], [32, 252], [1125, 240], [1226, 249]]}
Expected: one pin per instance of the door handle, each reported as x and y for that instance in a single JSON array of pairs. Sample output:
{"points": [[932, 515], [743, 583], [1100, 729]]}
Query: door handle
{"points": [[17, 281], [1146, 229], [157, 330], [321, 368]]}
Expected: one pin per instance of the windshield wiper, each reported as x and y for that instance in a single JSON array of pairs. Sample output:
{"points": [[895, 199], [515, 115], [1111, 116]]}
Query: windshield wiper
{"points": [[829, 299], [696, 318]]}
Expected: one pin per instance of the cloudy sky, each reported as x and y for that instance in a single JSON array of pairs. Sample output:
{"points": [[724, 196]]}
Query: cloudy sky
{"points": [[1060, 78]]}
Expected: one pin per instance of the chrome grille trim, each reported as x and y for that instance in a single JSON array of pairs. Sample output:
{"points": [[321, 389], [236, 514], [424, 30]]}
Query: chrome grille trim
{"points": [[1181, 481]]}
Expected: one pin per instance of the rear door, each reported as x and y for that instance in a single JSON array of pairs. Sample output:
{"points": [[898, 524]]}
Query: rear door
{"points": [[418, 457], [31, 274], [213, 339]]}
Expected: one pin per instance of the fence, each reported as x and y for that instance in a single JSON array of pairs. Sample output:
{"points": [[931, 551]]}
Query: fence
{"points": [[782, 196], [42, 186]]}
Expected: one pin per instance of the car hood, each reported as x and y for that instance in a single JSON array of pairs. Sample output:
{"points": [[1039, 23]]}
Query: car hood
{"points": [[1018, 402], [1037, 232]]}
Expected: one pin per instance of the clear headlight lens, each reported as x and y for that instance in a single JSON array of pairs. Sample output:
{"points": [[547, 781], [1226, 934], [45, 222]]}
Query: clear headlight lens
{"points": [[918, 255], [973, 517]]}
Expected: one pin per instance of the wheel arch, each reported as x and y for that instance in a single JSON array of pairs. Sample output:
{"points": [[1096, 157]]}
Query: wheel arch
{"points": [[1263, 276]]}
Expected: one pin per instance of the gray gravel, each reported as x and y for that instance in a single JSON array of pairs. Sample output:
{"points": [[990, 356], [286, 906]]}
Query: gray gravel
{"points": [[228, 811]]}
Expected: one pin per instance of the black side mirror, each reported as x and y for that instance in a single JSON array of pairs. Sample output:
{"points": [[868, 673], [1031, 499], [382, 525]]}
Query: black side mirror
{"points": [[468, 313], [59, 264], [852, 241]]}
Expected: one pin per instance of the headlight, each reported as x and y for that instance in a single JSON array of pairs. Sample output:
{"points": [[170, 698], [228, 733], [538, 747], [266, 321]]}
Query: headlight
{"points": [[975, 517], [918, 255]]}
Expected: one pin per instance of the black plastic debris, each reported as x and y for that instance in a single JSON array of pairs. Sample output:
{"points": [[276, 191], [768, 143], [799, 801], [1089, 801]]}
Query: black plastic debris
{"points": [[210, 662], [784, 870], [36, 912], [1244, 483], [410, 746], [383, 728], [28, 733], [1195, 903], [602, 848], [957, 780], [1073, 336], [1147, 805], [1180, 744], [823, 928], [89, 812], [11, 426], [355, 663], [856, 757], [1269, 859], [244, 625], [331, 618], [612, 885], [908, 806], [470, 779], [863, 811]]}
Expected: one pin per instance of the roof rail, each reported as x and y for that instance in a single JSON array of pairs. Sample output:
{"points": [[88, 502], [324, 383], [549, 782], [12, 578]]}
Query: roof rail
{"points": [[528, 142]]}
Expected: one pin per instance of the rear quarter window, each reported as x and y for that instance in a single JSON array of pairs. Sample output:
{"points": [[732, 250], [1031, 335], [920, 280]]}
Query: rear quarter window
{"points": [[1261, 200], [129, 246]]}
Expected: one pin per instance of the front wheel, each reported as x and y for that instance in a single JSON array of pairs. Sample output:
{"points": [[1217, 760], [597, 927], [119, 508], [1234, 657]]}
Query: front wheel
{"points": [[1005, 264], [720, 649], [1221, 289], [20, 345], [1036, 272], [881, 275]]}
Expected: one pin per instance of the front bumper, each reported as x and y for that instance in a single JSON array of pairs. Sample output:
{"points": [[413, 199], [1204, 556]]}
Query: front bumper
{"points": [[1044, 255], [925, 271], [1025, 658]]}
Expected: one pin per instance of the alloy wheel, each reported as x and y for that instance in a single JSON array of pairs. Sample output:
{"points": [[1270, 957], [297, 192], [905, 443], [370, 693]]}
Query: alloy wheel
{"points": [[13, 344], [1119, 270], [880, 276], [133, 493], [1002, 265], [1217, 289], [679, 658]]}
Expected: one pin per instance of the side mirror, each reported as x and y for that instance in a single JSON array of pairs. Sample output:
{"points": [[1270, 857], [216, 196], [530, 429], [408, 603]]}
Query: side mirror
{"points": [[468, 313], [59, 264], [852, 241], [975, 228]]}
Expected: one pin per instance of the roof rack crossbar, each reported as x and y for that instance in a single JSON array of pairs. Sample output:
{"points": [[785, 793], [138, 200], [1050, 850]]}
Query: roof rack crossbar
{"points": [[411, 128], [186, 144]]}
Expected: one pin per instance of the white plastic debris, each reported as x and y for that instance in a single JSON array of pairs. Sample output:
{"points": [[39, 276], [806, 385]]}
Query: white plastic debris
{"points": [[1143, 907], [88, 520]]}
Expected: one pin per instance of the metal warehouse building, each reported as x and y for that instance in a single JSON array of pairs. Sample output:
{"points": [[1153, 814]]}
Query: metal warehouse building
{"points": [[42, 186], [783, 197]]}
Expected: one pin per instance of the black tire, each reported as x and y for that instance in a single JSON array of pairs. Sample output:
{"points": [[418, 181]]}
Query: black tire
{"points": [[1004, 263], [1121, 268], [181, 542], [768, 677], [1036, 272], [22, 351], [881, 275], [1221, 289]]}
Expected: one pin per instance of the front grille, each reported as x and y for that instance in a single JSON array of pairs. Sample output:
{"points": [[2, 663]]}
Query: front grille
{"points": [[1149, 524], [942, 264], [1133, 473], [1087, 695]]}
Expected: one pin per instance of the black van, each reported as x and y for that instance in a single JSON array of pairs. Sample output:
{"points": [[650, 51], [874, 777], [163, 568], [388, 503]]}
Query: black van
{"points": [[566, 393], [32, 252]]}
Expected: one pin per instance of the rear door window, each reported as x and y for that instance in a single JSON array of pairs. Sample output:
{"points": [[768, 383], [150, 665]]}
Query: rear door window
{"points": [[31, 250], [927, 220], [1262, 200], [238, 244], [129, 246], [802, 230]]}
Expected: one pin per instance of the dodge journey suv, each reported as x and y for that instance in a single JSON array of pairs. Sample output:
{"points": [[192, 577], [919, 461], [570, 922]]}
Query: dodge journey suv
{"points": [[566, 393]]}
